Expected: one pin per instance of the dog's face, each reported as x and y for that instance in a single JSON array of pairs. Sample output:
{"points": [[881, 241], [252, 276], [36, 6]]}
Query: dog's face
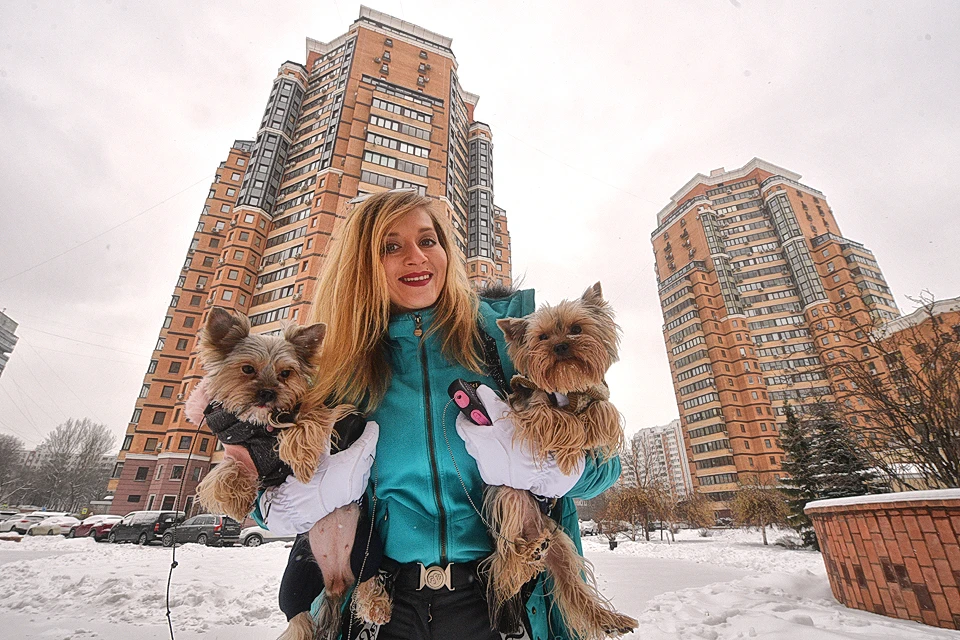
{"points": [[254, 375], [565, 348]]}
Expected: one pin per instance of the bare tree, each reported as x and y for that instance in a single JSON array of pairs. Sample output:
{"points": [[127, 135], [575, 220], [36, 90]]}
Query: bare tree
{"points": [[904, 389], [12, 477], [694, 510], [72, 472], [755, 505]]}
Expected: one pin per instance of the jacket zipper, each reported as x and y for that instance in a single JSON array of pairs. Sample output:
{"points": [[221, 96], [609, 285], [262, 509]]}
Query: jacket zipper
{"points": [[442, 513]]}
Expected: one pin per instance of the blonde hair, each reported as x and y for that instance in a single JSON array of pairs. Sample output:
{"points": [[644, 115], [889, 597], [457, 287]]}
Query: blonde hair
{"points": [[353, 301]]}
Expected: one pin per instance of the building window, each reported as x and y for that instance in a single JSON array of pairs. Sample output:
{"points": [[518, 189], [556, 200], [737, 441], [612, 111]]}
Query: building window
{"points": [[141, 475], [152, 366], [151, 445], [177, 472], [175, 366], [144, 390], [117, 470], [127, 441], [166, 392], [204, 443], [182, 344], [195, 476], [185, 442], [159, 417], [133, 498]]}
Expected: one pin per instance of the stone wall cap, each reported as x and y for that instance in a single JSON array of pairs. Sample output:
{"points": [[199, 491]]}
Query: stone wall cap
{"points": [[885, 498]]}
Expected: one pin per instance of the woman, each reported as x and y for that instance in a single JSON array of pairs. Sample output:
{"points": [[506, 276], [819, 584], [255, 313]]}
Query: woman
{"points": [[402, 324]]}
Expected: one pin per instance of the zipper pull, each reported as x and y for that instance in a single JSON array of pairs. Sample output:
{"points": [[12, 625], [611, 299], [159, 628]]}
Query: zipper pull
{"points": [[418, 330]]}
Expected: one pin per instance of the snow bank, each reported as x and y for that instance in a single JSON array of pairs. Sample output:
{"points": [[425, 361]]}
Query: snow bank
{"points": [[885, 498], [212, 588], [782, 607], [730, 548]]}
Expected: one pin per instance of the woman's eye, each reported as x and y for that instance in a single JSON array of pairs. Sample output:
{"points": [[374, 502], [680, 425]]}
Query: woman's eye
{"points": [[575, 330], [285, 373], [247, 369], [544, 336], [391, 247], [428, 242]]}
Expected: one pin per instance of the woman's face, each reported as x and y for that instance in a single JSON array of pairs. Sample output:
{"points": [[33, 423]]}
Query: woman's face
{"points": [[414, 261]]}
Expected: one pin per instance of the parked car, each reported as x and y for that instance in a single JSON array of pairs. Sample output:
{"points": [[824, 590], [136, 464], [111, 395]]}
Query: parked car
{"points": [[6, 514], [27, 520], [255, 536], [96, 527], [143, 527], [55, 526], [207, 528]]}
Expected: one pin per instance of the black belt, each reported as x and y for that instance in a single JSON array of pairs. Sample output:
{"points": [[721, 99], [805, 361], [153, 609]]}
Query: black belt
{"points": [[413, 576]]}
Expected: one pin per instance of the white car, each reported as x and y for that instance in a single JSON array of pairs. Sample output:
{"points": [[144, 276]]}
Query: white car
{"points": [[27, 520], [255, 536], [55, 526]]}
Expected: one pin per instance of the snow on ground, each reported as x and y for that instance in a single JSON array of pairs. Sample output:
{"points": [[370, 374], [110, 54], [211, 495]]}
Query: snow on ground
{"points": [[723, 587]]}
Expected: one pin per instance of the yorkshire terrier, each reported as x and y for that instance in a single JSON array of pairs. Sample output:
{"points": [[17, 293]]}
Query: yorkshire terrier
{"points": [[251, 396], [560, 407]]}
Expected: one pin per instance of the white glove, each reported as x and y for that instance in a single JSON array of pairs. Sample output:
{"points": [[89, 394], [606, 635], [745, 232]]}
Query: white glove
{"points": [[502, 462], [341, 478]]}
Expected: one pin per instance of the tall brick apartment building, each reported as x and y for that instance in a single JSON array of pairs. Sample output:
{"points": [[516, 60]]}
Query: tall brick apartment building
{"points": [[379, 107], [755, 281]]}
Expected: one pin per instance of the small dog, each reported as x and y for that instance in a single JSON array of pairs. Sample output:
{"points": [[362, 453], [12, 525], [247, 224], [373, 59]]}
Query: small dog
{"points": [[560, 407], [251, 397]]}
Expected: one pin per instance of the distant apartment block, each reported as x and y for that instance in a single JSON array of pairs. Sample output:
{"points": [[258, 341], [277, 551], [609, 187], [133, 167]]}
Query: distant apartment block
{"points": [[658, 456], [755, 282], [378, 107], [8, 339]]}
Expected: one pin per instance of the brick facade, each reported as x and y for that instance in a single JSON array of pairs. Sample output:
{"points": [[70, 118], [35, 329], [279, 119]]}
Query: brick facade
{"points": [[896, 554]]}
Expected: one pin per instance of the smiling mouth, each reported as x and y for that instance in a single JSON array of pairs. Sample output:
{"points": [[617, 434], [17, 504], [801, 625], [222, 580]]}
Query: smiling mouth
{"points": [[416, 279]]}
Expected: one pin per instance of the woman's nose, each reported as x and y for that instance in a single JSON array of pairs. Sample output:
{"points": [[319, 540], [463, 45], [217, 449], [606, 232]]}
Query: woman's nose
{"points": [[415, 255]]}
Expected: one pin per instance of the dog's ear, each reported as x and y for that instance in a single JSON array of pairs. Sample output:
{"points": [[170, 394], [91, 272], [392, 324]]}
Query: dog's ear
{"points": [[223, 332], [514, 329], [593, 295], [306, 340]]}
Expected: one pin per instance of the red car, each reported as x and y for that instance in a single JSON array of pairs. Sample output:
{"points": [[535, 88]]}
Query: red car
{"points": [[96, 527]]}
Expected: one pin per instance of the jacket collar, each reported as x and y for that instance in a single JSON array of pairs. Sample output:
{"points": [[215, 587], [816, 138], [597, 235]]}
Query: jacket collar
{"points": [[402, 325]]}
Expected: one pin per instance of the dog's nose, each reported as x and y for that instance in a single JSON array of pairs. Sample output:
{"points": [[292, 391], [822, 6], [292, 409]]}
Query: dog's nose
{"points": [[266, 395], [561, 348]]}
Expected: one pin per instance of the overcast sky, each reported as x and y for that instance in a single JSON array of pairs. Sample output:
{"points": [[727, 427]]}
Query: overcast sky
{"points": [[115, 115]]}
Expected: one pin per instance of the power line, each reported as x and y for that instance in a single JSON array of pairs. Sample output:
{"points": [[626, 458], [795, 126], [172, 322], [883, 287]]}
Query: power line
{"points": [[83, 355], [17, 432], [80, 400], [38, 405], [25, 416], [40, 384], [20, 314], [105, 232], [92, 344]]}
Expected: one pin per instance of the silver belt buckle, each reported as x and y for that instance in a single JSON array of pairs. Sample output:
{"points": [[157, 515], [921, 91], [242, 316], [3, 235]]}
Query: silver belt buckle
{"points": [[435, 577]]}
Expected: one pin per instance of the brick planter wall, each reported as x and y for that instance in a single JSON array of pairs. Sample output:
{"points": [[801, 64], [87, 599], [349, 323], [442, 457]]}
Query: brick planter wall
{"points": [[896, 554]]}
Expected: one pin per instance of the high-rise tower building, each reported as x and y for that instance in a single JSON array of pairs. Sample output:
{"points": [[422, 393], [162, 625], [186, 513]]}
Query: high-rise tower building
{"points": [[756, 282], [379, 107]]}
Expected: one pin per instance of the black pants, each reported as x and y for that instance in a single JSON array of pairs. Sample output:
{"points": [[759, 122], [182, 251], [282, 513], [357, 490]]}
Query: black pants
{"points": [[439, 615]]}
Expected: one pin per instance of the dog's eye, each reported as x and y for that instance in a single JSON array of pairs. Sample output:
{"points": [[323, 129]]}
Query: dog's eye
{"points": [[575, 330], [285, 373], [544, 336], [247, 369]]}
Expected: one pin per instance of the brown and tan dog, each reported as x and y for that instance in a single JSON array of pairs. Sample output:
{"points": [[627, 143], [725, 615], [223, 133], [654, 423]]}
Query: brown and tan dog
{"points": [[564, 349], [251, 396]]}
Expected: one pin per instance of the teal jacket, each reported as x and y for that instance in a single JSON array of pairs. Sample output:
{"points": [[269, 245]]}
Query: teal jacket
{"points": [[423, 473], [422, 467]]}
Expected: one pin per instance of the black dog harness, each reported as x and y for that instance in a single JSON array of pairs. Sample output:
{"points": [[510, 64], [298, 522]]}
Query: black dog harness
{"points": [[260, 441]]}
